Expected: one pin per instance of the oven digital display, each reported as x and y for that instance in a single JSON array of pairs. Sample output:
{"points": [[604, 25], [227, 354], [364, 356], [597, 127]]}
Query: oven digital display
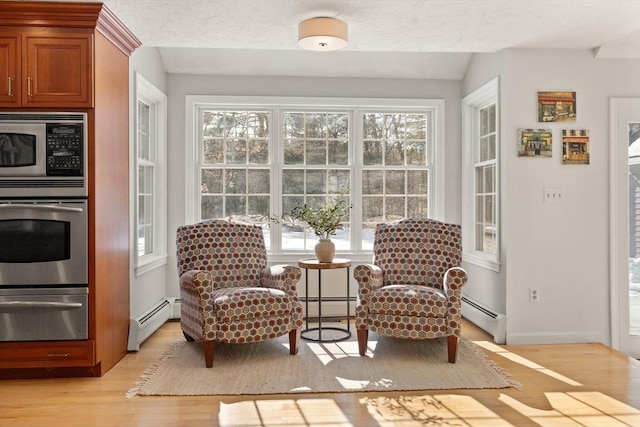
{"points": [[17, 149]]}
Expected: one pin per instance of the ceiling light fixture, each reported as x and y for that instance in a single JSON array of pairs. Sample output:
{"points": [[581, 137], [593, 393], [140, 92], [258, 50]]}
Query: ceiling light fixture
{"points": [[322, 34]]}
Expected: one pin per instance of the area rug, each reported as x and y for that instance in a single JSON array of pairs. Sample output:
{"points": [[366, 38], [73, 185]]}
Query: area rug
{"points": [[390, 364]]}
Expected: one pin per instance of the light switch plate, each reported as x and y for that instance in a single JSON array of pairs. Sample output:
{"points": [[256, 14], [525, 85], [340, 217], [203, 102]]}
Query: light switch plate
{"points": [[553, 195]]}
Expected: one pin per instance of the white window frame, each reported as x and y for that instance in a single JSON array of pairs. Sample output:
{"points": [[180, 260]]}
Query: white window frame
{"points": [[146, 92], [483, 97], [433, 107]]}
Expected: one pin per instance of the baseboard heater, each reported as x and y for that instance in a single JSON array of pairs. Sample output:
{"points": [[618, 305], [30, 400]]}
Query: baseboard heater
{"points": [[485, 318], [147, 323]]}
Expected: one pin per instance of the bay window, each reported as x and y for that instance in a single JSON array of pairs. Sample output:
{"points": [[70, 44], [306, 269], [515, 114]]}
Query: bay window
{"points": [[252, 158]]}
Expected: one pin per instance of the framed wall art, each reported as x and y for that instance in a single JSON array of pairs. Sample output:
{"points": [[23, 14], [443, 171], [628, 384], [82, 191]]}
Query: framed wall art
{"points": [[556, 107], [575, 146], [535, 142]]}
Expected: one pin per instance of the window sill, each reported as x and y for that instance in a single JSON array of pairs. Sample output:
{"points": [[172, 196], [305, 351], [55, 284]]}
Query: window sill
{"points": [[150, 263], [482, 260]]}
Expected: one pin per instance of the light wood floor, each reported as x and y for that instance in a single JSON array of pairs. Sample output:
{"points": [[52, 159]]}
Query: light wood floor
{"points": [[562, 385]]}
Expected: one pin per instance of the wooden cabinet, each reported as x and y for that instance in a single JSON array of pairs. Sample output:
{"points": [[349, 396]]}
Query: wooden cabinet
{"points": [[9, 71], [75, 56], [47, 69]]}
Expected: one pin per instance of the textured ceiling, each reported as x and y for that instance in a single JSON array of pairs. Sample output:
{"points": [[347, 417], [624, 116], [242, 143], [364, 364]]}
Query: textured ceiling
{"points": [[387, 38]]}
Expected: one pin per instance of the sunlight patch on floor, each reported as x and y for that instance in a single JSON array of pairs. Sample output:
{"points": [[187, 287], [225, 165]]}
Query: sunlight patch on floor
{"points": [[501, 351], [590, 409], [279, 412]]}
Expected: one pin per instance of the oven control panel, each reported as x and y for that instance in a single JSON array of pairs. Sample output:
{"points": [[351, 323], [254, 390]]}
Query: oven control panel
{"points": [[65, 143]]}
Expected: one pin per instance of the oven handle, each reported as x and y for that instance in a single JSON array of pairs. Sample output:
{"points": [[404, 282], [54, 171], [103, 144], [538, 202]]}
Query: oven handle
{"points": [[44, 207], [39, 304]]}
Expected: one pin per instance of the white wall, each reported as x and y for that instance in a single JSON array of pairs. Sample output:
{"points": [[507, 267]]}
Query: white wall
{"points": [[560, 249], [484, 285], [180, 85], [145, 290]]}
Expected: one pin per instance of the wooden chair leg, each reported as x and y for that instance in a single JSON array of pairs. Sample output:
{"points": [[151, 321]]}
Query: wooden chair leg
{"points": [[452, 347], [208, 353], [363, 337], [294, 339]]}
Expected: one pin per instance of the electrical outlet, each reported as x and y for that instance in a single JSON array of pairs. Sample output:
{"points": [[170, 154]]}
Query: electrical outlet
{"points": [[553, 194], [534, 295]]}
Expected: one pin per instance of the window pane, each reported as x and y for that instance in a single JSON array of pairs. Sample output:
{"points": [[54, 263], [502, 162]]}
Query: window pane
{"points": [[258, 208], [294, 152], [480, 209], [394, 208], [492, 118], [257, 125], [338, 152], [211, 207], [293, 125], [293, 181], [394, 182], [417, 182], [417, 207], [212, 151], [337, 126], [144, 146], [372, 153], [315, 125], [316, 182], [479, 237], [372, 209], [258, 151], [488, 209], [235, 181], [372, 182], [489, 179], [491, 147], [480, 179], [236, 151], [145, 179], [338, 181], [394, 154], [235, 208], [416, 126], [211, 181], [316, 153], [258, 181], [416, 152]]}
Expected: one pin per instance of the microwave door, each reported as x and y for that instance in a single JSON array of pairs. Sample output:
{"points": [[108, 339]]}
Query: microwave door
{"points": [[22, 149]]}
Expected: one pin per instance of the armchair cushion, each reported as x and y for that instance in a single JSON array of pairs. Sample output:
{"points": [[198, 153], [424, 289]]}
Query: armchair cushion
{"points": [[408, 300]]}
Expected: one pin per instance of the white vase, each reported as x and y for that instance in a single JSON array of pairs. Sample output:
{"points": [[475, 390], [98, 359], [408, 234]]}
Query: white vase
{"points": [[325, 250]]}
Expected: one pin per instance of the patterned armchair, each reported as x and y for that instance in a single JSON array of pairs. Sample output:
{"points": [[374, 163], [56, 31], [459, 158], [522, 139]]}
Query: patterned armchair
{"points": [[412, 289], [228, 292]]}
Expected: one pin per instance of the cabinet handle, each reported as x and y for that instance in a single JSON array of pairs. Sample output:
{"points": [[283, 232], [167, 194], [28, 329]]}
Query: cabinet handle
{"points": [[59, 354], [28, 86], [9, 85]]}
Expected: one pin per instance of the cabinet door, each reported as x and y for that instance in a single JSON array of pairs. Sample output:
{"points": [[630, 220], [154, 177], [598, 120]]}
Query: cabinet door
{"points": [[9, 71], [57, 70]]}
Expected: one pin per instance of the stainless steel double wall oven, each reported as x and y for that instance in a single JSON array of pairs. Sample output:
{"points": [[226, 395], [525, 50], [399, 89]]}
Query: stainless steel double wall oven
{"points": [[43, 227]]}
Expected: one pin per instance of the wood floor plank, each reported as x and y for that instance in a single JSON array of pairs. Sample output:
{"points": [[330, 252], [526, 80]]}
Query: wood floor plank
{"points": [[565, 384]]}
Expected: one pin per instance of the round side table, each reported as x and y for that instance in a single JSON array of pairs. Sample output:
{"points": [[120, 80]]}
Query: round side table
{"points": [[314, 264]]}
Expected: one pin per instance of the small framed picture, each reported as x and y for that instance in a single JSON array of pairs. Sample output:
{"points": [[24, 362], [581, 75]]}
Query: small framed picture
{"points": [[535, 142], [556, 107], [575, 146]]}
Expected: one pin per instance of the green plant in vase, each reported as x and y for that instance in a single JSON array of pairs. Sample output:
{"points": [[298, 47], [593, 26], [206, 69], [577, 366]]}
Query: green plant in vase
{"points": [[324, 221]]}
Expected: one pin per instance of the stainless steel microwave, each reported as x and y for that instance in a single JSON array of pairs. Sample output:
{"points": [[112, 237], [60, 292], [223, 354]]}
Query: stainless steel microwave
{"points": [[43, 154]]}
